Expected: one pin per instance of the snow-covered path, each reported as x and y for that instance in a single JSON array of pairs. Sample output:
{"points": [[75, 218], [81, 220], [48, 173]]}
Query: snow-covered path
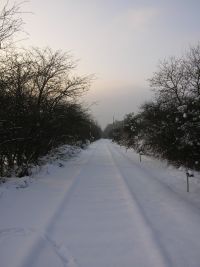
{"points": [[103, 209]]}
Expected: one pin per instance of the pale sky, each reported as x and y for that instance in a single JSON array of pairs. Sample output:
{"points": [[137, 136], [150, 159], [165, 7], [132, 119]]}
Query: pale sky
{"points": [[121, 41]]}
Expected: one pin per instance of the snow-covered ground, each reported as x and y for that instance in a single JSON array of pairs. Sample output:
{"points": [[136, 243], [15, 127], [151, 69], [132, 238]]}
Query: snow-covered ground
{"points": [[102, 208]]}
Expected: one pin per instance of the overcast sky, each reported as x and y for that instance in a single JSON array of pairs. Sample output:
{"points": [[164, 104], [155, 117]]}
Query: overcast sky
{"points": [[121, 41]]}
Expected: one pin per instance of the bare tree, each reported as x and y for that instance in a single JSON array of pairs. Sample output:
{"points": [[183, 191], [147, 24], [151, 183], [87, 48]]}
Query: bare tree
{"points": [[170, 81], [10, 23], [54, 78], [37, 108], [192, 64]]}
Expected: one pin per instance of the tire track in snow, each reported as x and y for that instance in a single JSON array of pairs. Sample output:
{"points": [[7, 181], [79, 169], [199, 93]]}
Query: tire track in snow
{"points": [[25, 233], [167, 212], [152, 175], [36, 249], [151, 243]]}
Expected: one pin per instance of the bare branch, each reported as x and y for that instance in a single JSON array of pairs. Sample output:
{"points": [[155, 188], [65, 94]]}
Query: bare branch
{"points": [[11, 23]]}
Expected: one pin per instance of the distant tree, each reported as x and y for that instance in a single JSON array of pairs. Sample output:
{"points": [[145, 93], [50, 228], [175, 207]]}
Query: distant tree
{"points": [[117, 131], [107, 132]]}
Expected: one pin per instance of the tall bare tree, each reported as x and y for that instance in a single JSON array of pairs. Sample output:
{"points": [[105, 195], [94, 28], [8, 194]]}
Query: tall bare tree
{"points": [[11, 22], [192, 65], [170, 81], [54, 78]]}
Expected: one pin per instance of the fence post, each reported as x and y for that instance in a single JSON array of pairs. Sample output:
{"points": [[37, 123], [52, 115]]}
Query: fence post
{"points": [[189, 174], [188, 186], [140, 155]]}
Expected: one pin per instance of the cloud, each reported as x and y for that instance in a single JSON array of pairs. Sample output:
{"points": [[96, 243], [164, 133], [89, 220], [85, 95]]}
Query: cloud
{"points": [[136, 18], [140, 18]]}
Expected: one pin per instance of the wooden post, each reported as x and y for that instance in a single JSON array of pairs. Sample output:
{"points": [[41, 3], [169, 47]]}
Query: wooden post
{"points": [[188, 186], [140, 155], [189, 174]]}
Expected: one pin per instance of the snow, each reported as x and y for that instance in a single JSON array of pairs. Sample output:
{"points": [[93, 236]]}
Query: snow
{"points": [[101, 208], [182, 108], [184, 115]]}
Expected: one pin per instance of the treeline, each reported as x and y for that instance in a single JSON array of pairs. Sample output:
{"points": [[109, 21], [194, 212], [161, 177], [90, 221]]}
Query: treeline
{"points": [[169, 125], [39, 109]]}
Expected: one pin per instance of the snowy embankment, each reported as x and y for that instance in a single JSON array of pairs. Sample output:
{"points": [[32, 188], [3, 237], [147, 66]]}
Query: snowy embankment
{"points": [[168, 174], [173, 177], [101, 208]]}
